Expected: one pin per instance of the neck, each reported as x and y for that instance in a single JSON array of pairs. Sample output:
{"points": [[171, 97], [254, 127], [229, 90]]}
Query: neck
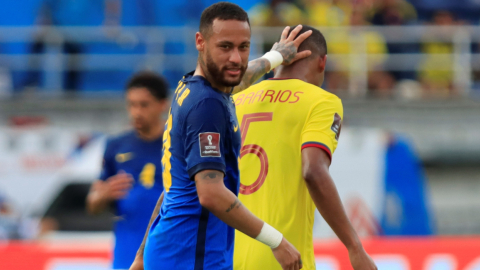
{"points": [[300, 71], [153, 133], [291, 72], [201, 70]]}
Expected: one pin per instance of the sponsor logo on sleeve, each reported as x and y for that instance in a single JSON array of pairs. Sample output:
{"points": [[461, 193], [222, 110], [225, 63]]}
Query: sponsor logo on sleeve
{"points": [[209, 144], [337, 125]]}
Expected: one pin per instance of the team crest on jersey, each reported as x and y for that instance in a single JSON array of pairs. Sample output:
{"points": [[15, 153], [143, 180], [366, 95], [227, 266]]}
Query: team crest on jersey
{"points": [[337, 125], [209, 144]]}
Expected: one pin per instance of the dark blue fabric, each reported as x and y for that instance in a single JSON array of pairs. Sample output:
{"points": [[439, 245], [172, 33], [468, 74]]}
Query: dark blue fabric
{"points": [[201, 239], [406, 209], [172, 241], [134, 211]]}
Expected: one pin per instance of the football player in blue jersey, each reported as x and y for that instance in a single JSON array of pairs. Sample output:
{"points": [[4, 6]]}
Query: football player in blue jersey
{"points": [[192, 227], [131, 176]]}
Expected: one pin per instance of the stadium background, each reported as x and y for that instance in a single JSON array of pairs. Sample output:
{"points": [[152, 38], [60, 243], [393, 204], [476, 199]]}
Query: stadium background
{"points": [[408, 162]]}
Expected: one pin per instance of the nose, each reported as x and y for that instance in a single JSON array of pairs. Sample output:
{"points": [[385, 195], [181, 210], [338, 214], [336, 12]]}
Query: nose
{"points": [[235, 56]]}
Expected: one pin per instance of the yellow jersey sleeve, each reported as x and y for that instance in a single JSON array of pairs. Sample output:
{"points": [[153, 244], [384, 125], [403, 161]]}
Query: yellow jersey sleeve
{"points": [[323, 125]]}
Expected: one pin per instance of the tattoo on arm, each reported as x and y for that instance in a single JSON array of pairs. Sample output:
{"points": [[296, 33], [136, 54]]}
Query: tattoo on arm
{"points": [[211, 176], [288, 51], [256, 69], [235, 204]]}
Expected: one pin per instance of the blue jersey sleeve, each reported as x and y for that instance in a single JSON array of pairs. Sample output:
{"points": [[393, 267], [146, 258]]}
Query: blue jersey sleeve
{"points": [[205, 128], [108, 166]]}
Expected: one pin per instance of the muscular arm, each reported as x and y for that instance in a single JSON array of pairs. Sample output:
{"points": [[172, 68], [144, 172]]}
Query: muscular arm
{"points": [[315, 164], [256, 69], [214, 196]]}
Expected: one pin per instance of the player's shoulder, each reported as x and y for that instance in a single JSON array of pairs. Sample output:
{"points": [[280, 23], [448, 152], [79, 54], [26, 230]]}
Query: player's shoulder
{"points": [[119, 139], [198, 92]]}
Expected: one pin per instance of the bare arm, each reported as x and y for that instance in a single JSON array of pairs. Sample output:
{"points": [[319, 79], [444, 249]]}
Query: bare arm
{"points": [[95, 202], [214, 196], [315, 164], [102, 193], [138, 262], [287, 46]]}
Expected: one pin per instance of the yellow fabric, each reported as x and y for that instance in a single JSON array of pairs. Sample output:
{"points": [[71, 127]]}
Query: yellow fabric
{"points": [[276, 118]]}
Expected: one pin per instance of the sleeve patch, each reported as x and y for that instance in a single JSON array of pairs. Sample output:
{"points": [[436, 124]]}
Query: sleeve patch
{"points": [[337, 125], [209, 144]]}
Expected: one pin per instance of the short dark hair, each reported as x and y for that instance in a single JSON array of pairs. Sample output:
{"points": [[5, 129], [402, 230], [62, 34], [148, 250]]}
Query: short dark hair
{"points": [[315, 42], [155, 84], [222, 11]]}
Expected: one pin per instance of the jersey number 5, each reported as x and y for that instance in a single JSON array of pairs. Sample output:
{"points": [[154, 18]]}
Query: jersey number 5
{"points": [[254, 149]]}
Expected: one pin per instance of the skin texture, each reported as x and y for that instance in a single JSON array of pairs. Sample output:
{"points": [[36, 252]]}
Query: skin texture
{"points": [[223, 61], [145, 113]]}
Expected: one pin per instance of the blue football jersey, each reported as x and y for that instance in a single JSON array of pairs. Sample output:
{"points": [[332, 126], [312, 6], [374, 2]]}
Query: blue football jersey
{"points": [[141, 159], [201, 133]]}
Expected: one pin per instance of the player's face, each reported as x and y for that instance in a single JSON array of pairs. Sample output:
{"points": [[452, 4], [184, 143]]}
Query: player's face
{"points": [[143, 108], [226, 51]]}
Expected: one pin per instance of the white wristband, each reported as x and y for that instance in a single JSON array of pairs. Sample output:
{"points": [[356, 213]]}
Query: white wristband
{"points": [[270, 236], [274, 57]]}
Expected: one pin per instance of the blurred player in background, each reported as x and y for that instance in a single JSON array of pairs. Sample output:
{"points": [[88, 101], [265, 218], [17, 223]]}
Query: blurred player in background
{"points": [[131, 177], [200, 209], [290, 127]]}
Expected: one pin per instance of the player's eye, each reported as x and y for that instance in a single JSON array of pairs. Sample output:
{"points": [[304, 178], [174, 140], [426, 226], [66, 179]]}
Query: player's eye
{"points": [[224, 46]]}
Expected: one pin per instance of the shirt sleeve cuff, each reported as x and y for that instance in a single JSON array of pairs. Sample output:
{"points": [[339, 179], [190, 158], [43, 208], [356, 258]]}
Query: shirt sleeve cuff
{"points": [[205, 166], [318, 145]]}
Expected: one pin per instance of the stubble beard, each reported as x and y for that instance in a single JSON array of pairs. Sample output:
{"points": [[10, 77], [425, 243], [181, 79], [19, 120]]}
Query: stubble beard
{"points": [[217, 75]]}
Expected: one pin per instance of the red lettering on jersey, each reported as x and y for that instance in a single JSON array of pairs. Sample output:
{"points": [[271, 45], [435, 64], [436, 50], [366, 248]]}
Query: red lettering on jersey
{"points": [[269, 95], [239, 99], [295, 95], [259, 95], [249, 97], [278, 95], [289, 95]]}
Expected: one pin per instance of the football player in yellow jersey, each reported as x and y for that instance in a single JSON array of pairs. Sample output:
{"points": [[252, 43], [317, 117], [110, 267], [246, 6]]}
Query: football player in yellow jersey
{"points": [[290, 128]]}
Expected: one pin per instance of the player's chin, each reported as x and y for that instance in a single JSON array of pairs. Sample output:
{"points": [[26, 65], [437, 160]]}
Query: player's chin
{"points": [[138, 125], [232, 79]]}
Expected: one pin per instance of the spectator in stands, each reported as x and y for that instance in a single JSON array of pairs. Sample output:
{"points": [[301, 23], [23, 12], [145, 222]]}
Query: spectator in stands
{"points": [[328, 12], [395, 12], [353, 43], [60, 13], [276, 13], [392, 12], [436, 68]]}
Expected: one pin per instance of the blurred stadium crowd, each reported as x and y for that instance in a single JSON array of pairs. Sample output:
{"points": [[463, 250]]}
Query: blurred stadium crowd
{"points": [[432, 64]]}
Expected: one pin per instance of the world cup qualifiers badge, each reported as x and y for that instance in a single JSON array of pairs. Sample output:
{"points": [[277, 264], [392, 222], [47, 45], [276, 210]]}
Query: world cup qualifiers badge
{"points": [[209, 144]]}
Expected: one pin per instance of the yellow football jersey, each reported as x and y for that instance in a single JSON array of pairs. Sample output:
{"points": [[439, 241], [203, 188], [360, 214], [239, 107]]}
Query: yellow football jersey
{"points": [[278, 118]]}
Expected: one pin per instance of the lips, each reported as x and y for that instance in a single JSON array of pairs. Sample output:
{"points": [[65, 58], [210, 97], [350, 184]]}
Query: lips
{"points": [[233, 72]]}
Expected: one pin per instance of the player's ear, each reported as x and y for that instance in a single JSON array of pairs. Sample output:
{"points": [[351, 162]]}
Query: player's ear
{"points": [[322, 62], [199, 41]]}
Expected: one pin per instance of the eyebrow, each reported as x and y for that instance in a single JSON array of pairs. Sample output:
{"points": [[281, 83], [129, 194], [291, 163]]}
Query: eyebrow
{"points": [[225, 42]]}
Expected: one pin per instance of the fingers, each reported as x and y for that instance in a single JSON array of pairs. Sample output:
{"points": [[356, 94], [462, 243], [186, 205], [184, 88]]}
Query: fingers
{"points": [[294, 32], [284, 33], [302, 38], [301, 55]]}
